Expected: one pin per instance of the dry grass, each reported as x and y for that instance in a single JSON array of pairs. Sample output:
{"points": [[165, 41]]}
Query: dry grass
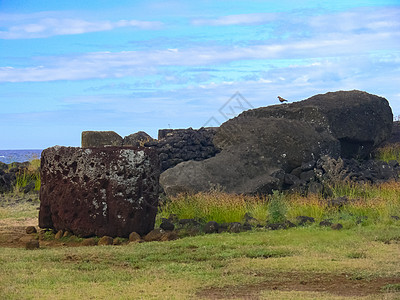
{"points": [[367, 204]]}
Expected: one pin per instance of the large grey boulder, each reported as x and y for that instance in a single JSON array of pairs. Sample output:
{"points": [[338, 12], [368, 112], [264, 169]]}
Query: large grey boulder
{"points": [[109, 191], [261, 145]]}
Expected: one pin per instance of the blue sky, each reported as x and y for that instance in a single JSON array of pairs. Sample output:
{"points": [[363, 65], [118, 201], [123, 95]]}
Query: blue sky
{"points": [[69, 66]]}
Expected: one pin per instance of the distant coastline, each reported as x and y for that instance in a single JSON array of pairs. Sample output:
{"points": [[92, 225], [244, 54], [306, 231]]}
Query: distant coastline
{"points": [[10, 156]]}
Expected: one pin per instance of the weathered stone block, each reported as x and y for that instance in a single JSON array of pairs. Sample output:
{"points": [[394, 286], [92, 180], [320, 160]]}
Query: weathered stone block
{"points": [[101, 139], [137, 139], [99, 191]]}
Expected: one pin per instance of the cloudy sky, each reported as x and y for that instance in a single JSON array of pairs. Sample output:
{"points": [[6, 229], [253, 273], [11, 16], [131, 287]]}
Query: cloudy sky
{"points": [[72, 65]]}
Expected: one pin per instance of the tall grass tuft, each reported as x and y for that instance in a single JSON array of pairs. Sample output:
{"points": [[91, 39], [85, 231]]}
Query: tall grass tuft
{"points": [[389, 152], [215, 206], [277, 208], [29, 175], [367, 204]]}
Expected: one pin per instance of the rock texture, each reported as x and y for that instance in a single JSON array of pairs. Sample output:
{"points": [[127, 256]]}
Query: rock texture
{"points": [[137, 139], [178, 145], [99, 191], [101, 139], [262, 147]]}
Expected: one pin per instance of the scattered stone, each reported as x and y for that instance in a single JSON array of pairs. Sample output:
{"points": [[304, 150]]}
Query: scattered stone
{"points": [[154, 235], [89, 242], [67, 234], [246, 226], [32, 244], [134, 237], [30, 229], [337, 226], [303, 220], [167, 225], [235, 227], [59, 234], [117, 241], [105, 240], [325, 223], [169, 236], [397, 218], [277, 226], [211, 227]]}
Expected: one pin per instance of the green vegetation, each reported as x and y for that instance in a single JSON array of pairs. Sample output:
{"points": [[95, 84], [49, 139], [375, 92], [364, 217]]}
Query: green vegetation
{"points": [[182, 269], [28, 176], [368, 204], [389, 152]]}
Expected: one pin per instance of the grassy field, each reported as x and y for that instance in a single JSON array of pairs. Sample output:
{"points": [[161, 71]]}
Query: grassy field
{"points": [[362, 262]]}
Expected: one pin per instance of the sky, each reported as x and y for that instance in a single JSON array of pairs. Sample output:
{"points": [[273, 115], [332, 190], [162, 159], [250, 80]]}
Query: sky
{"points": [[68, 66]]}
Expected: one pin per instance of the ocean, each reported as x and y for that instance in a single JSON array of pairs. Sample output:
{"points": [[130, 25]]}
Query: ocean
{"points": [[9, 156]]}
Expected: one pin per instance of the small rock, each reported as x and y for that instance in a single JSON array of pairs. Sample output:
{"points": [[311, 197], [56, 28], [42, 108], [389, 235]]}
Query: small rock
{"points": [[275, 226], [337, 226], [303, 220], [67, 234], [134, 237], [325, 223], [167, 225], [89, 242], [59, 234], [397, 218], [105, 240], [32, 244], [154, 235], [211, 227], [117, 241], [235, 227], [246, 226], [169, 236], [30, 229]]}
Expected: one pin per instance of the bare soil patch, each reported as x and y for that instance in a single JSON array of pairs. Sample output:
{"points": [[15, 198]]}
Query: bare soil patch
{"points": [[341, 285]]}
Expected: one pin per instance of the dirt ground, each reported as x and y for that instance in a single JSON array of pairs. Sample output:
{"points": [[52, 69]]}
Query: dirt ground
{"points": [[339, 285]]}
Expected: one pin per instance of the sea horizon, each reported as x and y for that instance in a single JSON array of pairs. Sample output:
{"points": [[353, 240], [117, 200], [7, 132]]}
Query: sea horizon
{"points": [[19, 155]]}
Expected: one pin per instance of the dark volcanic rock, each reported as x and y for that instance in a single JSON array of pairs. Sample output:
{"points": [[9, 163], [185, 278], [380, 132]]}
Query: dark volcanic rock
{"points": [[167, 225], [99, 191], [261, 145], [101, 139], [30, 230], [32, 244], [211, 227], [179, 145], [137, 139]]}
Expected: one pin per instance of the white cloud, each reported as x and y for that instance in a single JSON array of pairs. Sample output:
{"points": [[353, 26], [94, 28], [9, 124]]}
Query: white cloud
{"points": [[46, 26], [242, 19]]}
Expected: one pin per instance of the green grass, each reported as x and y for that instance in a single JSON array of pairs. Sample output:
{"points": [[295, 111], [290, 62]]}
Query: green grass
{"points": [[389, 152], [179, 269], [28, 175], [368, 204]]}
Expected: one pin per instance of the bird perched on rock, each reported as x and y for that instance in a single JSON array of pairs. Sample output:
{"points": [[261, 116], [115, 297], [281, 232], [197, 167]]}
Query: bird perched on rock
{"points": [[281, 99]]}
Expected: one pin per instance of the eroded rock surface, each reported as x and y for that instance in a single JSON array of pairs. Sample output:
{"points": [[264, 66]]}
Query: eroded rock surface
{"points": [[101, 139], [99, 191], [266, 148]]}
